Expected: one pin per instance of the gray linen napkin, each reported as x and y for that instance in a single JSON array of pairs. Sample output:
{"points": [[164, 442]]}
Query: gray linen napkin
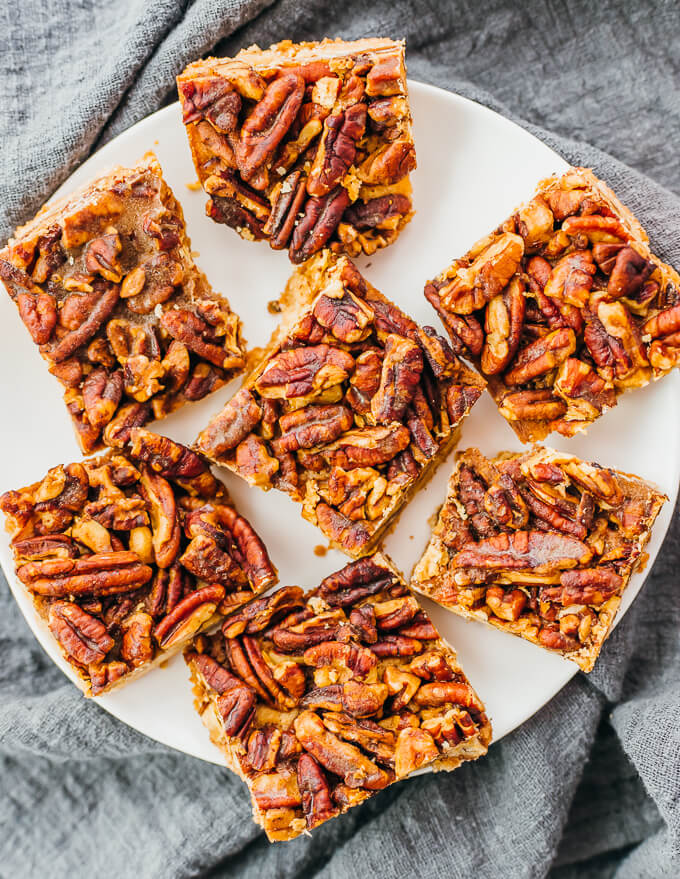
{"points": [[589, 787]]}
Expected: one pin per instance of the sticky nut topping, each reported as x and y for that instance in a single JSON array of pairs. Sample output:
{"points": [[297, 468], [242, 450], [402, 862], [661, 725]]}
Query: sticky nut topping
{"points": [[132, 553], [541, 544], [563, 307], [113, 299], [308, 155], [348, 411], [325, 701]]}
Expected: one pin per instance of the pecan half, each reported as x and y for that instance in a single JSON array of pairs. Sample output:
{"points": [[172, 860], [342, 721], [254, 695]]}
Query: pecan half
{"points": [[317, 804], [628, 274], [267, 124], [230, 211], [216, 676], [254, 463], [556, 640], [253, 553], [337, 756], [137, 648], [503, 325], [663, 324], [337, 149], [489, 273], [592, 586], [320, 220], [199, 336], [108, 295], [263, 747], [465, 331], [460, 399], [311, 426], [39, 313], [165, 457], [401, 369], [101, 257], [355, 581], [188, 616], [365, 447], [359, 660], [167, 590], [151, 283], [504, 503], [206, 560], [287, 205], [117, 431], [298, 372], [303, 629], [456, 692], [368, 735], [396, 645], [105, 573], [583, 389], [388, 164], [237, 709], [595, 228], [414, 748], [276, 790], [347, 317], [160, 498], [365, 380], [233, 424], [83, 637], [264, 675], [212, 98], [259, 614], [538, 551], [506, 605], [571, 279], [377, 213], [394, 614], [47, 546], [532, 405], [102, 392], [541, 356]]}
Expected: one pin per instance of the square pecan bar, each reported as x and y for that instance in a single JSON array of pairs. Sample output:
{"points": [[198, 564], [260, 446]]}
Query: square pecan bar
{"points": [[539, 544], [105, 282], [351, 408], [128, 555], [563, 307], [320, 699], [305, 145]]}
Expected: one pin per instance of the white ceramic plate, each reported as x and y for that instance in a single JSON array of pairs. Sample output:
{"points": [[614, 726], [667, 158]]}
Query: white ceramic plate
{"points": [[473, 168]]}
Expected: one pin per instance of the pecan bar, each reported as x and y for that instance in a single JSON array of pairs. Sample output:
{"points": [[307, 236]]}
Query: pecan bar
{"points": [[105, 282], [319, 700], [128, 555], [306, 144], [563, 307], [540, 544], [352, 406]]}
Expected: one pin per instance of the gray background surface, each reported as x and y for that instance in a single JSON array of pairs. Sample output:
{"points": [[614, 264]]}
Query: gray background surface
{"points": [[589, 787]]}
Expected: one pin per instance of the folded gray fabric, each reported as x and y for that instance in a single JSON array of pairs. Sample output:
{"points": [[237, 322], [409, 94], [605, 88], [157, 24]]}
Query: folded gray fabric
{"points": [[589, 786]]}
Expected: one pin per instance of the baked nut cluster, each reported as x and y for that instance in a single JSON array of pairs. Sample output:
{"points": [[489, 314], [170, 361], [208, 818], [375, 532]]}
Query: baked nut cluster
{"points": [[350, 409], [305, 145], [539, 544], [563, 307], [106, 285], [319, 700], [128, 555]]}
